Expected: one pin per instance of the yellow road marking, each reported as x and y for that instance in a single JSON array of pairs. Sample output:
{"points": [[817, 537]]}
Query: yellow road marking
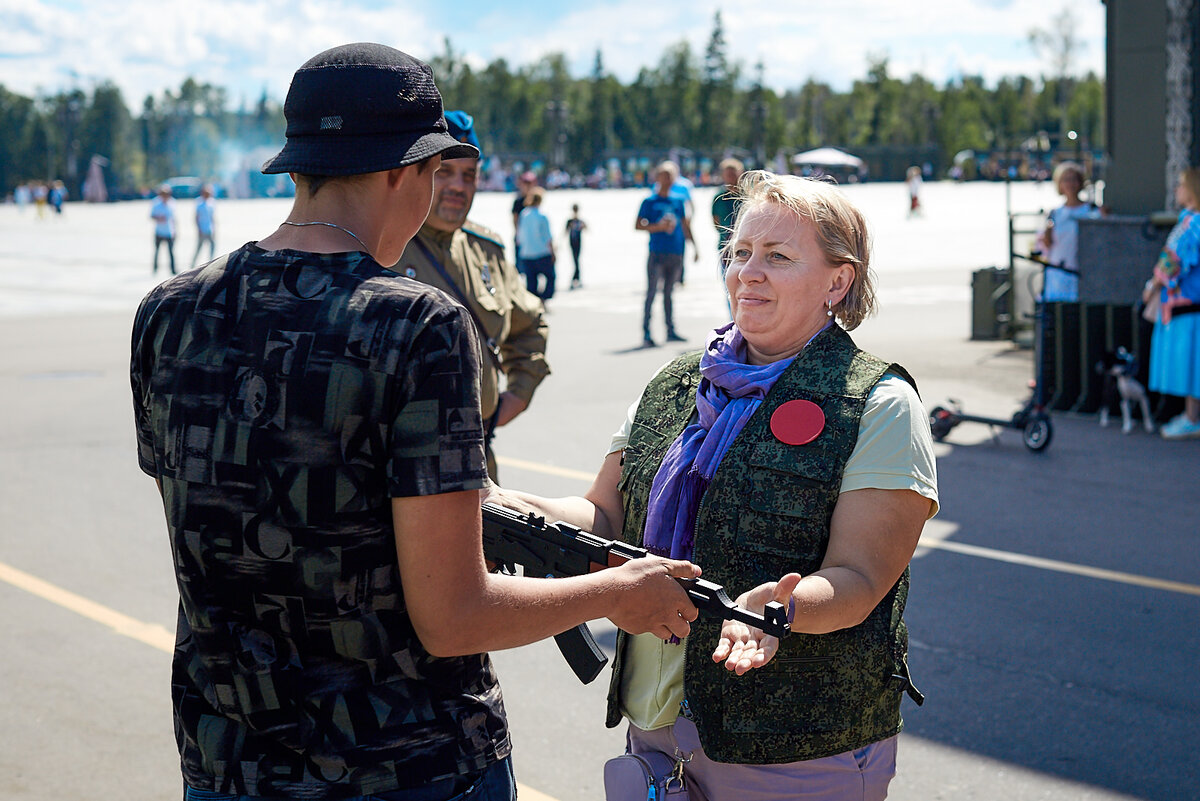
{"points": [[948, 545], [549, 469], [529, 794], [1062, 567], [147, 633], [158, 637]]}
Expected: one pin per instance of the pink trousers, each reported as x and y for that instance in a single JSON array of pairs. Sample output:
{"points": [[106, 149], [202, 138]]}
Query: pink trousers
{"points": [[860, 775]]}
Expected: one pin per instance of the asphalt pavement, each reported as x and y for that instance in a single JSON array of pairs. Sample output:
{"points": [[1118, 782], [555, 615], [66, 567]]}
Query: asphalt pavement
{"points": [[1053, 612]]}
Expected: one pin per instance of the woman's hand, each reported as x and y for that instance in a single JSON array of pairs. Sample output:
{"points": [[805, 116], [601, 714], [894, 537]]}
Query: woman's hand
{"points": [[1166, 268], [1150, 289], [743, 648]]}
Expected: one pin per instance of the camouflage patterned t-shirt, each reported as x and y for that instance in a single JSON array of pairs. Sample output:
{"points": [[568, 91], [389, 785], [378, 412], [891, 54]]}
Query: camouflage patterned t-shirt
{"points": [[282, 399]]}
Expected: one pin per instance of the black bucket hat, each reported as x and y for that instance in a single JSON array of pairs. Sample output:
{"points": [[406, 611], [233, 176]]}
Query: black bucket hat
{"points": [[362, 108]]}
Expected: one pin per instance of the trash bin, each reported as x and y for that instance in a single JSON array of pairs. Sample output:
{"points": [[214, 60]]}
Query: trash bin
{"points": [[990, 290]]}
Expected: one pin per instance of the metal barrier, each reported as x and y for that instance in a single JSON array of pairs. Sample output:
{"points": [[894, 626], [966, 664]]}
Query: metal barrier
{"points": [[1025, 276]]}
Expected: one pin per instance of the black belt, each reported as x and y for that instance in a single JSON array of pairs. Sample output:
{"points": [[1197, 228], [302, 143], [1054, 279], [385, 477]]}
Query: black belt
{"points": [[489, 426]]}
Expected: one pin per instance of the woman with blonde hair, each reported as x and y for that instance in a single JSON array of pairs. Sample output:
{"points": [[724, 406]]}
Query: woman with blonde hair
{"points": [[1059, 239], [793, 467], [536, 245], [1175, 344]]}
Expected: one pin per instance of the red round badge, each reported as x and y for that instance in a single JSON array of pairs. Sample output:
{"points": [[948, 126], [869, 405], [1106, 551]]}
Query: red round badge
{"points": [[797, 422]]}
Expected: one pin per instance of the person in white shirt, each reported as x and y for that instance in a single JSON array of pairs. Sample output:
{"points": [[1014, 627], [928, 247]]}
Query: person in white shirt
{"points": [[1059, 239]]}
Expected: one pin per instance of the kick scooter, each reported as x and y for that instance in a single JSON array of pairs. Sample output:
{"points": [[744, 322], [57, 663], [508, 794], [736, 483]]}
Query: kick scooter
{"points": [[1032, 419]]}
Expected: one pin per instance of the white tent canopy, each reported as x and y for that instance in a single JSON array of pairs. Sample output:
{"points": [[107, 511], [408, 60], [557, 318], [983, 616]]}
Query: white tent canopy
{"points": [[828, 157]]}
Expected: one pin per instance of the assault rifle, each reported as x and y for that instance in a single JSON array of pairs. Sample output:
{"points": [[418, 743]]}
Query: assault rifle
{"points": [[559, 549]]}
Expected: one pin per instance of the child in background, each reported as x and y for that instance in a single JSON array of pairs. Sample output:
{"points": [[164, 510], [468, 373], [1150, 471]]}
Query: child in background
{"points": [[575, 229], [1059, 240], [914, 180]]}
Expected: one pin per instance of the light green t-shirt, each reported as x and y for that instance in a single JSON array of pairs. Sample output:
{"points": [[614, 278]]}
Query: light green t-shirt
{"points": [[894, 452]]}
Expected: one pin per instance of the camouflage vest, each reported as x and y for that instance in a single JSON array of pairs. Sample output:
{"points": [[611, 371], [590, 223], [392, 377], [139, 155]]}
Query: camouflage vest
{"points": [[767, 512]]}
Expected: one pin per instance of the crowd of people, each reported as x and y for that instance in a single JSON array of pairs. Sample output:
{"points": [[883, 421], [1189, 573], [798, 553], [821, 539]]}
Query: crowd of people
{"points": [[339, 419], [43, 195]]}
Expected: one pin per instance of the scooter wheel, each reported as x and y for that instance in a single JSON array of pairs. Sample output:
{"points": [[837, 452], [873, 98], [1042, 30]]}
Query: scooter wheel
{"points": [[941, 420], [1037, 433]]}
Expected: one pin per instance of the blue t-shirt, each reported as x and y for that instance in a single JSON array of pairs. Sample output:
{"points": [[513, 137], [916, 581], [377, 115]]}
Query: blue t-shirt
{"points": [[205, 210], [533, 234], [653, 209], [163, 214], [682, 189]]}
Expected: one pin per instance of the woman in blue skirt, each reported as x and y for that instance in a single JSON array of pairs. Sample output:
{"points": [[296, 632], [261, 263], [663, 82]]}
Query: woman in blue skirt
{"points": [[1175, 346]]}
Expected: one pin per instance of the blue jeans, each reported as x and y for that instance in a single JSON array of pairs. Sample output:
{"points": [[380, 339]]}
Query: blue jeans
{"points": [[169, 241], [664, 268], [541, 267], [494, 784]]}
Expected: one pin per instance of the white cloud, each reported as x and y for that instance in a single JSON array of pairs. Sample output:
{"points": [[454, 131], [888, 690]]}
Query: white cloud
{"points": [[146, 46], [829, 41]]}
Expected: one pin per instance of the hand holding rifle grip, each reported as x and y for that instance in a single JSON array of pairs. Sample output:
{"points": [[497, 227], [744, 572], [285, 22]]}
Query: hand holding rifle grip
{"points": [[560, 549]]}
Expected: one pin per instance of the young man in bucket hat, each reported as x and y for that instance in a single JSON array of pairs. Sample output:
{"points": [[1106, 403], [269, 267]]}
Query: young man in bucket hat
{"points": [[312, 420]]}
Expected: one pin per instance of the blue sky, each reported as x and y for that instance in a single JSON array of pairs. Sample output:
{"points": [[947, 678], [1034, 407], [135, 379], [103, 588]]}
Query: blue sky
{"points": [[145, 46]]}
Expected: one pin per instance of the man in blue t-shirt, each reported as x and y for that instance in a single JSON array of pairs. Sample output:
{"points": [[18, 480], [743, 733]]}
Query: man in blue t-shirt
{"points": [[205, 224], [665, 216], [162, 211]]}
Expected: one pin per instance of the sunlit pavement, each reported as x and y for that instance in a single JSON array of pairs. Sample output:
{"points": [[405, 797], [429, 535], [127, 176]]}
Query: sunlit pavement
{"points": [[1052, 630]]}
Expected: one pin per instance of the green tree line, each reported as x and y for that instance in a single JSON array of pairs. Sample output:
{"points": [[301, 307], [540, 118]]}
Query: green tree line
{"points": [[703, 102], [186, 132]]}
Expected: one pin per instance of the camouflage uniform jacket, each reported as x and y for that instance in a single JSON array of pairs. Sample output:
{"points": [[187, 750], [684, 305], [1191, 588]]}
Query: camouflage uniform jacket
{"points": [[511, 321], [766, 513]]}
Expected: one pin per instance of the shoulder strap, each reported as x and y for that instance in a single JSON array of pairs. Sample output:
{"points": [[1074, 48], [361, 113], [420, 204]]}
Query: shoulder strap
{"points": [[489, 343], [475, 229]]}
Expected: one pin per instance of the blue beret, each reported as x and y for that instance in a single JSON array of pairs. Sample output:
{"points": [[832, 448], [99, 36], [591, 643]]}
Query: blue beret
{"points": [[462, 127]]}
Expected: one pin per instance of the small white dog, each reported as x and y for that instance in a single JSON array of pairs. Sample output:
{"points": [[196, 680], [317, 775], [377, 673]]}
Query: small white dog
{"points": [[1119, 371]]}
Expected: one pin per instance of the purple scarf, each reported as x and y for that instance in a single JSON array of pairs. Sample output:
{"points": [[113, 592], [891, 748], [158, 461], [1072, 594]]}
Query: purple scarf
{"points": [[729, 393]]}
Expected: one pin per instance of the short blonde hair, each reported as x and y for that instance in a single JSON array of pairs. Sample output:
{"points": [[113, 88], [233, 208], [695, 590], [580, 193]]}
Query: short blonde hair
{"points": [[1190, 178], [668, 167], [840, 227], [1069, 166], [534, 196]]}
